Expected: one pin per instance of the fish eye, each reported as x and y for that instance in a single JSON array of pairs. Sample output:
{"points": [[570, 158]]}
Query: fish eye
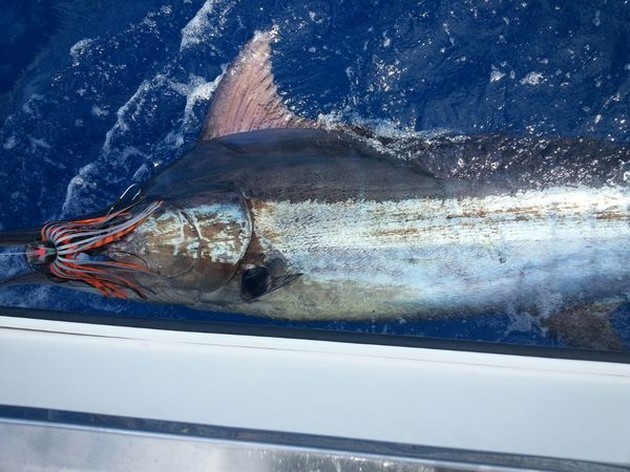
{"points": [[255, 282], [41, 253]]}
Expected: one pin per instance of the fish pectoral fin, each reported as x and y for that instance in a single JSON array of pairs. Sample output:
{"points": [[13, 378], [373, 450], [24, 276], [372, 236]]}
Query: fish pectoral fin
{"points": [[257, 281], [586, 327]]}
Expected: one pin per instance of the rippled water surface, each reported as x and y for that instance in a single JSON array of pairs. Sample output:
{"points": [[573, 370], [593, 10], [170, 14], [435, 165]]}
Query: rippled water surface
{"points": [[97, 95]]}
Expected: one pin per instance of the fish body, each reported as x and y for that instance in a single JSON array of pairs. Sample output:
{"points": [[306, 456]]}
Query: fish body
{"points": [[368, 237], [273, 215]]}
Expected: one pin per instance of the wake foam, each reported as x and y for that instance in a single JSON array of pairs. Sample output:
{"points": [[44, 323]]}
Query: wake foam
{"points": [[204, 25]]}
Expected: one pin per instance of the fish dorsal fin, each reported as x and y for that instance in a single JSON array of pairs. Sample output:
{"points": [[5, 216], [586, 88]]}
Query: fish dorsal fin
{"points": [[247, 98]]}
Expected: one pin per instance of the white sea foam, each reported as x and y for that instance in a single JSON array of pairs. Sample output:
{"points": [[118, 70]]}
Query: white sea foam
{"points": [[76, 183], [99, 112], [196, 90], [79, 49], [447, 30], [496, 75], [533, 78], [130, 110], [202, 27], [388, 75], [116, 149]]}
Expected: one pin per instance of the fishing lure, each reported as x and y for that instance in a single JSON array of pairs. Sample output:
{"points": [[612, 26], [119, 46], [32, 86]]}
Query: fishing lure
{"points": [[65, 247]]}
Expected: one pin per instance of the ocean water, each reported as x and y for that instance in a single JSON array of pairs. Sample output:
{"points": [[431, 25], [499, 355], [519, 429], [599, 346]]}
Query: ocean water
{"points": [[95, 96]]}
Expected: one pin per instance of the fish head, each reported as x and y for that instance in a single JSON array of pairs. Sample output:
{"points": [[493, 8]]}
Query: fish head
{"points": [[165, 251], [76, 250]]}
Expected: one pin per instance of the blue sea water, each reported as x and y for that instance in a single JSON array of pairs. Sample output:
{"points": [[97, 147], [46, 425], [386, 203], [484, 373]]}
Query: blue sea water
{"points": [[97, 95]]}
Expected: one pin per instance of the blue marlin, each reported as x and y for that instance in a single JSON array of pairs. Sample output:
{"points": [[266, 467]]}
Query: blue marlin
{"points": [[276, 215]]}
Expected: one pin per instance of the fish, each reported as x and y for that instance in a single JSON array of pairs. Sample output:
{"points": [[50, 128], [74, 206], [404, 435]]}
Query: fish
{"points": [[276, 215]]}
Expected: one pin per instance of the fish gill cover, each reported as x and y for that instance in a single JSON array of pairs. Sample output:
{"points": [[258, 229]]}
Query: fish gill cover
{"points": [[97, 96]]}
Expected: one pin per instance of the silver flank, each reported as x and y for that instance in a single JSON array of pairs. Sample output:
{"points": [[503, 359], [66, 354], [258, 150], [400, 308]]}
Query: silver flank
{"points": [[536, 248]]}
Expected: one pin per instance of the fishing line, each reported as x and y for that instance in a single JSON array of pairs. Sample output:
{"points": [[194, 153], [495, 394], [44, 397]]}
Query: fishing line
{"points": [[123, 195]]}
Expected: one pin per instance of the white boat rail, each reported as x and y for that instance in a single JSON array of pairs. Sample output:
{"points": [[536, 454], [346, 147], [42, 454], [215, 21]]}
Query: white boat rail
{"points": [[417, 395]]}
